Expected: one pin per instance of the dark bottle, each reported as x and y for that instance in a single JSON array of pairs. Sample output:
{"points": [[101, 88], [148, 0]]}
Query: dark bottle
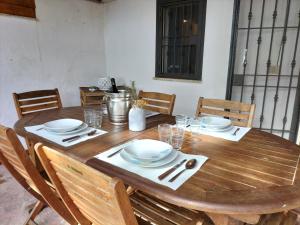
{"points": [[114, 86]]}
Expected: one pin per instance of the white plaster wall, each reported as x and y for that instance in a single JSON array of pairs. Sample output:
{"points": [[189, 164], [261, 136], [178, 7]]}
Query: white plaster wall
{"points": [[64, 48], [130, 27]]}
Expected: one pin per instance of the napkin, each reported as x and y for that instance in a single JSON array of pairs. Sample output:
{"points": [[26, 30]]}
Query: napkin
{"points": [[153, 173], [57, 138]]}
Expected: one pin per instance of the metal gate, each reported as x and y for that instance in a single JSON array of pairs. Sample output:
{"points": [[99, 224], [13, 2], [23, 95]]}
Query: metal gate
{"points": [[264, 63]]}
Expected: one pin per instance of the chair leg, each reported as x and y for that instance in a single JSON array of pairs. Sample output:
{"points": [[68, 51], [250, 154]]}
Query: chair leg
{"points": [[39, 206]]}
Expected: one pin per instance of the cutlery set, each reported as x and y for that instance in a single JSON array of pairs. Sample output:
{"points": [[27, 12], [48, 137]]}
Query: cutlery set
{"points": [[74, 138], [189, 164]]}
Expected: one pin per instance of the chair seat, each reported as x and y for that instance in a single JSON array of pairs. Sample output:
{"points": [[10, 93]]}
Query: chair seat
{"points": [[150, 210]]}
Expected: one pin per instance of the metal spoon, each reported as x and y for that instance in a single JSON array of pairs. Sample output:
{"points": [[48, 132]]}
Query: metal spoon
{"points": [[189, 165]]}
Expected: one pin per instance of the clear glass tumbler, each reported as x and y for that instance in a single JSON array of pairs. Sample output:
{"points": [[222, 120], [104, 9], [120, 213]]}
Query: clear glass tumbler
{"points": [[195, 124], [181, 120], [177, 137], [164, 132], [93, 117], [97, 119]]}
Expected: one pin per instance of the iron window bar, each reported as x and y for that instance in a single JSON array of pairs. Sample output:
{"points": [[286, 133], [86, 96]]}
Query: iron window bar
{"points": [[250, 15], [284, 39]]}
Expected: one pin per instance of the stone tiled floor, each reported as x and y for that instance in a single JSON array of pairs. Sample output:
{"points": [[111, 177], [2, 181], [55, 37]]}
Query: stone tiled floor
{"points": [[15, 202]]}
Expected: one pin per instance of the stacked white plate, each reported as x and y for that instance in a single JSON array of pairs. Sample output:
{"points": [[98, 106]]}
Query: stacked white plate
{"points": [[215, 123], [149, 153], [65, 126]]}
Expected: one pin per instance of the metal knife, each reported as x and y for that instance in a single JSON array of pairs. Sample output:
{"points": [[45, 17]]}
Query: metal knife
{"points": [[165, 174], [70, 139]]}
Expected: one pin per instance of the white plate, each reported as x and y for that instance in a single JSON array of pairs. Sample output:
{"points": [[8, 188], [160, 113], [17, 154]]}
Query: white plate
{"points": [[62, 125], [215, 122], [81, 128], [218, 129], [171, 157], [147, 149]]}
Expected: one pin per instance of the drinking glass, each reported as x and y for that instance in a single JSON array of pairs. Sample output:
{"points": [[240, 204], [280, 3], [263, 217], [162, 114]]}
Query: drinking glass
{"points": [[164, 132], [93, 117], [177, 137], [181, 120], [195, 124]]}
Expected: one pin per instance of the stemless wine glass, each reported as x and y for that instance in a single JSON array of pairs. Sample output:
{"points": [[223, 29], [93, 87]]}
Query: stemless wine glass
{"points": [[181, 120], [195, 124], [164, 132], [177, 137], [93, 117]]}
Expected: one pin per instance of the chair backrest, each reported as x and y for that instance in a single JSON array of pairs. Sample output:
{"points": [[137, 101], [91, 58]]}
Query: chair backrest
{"points": [[241, 114], [92, 197], [35, 101], [158, 102], [13, 156]]}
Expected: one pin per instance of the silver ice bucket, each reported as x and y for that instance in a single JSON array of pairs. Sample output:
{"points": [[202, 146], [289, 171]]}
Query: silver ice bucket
{"points": [[118, 106]]}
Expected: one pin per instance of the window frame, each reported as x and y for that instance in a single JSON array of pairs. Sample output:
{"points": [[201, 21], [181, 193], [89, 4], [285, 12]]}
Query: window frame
{"points": [[160, 4], [23, 8]]}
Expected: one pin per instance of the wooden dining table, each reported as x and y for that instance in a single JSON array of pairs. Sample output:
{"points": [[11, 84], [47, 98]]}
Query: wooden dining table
{"points": [[240, 182]]}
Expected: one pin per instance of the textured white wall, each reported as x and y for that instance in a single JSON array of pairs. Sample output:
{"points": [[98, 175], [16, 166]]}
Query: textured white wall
{"points": [[130, 27], [63, 49]]}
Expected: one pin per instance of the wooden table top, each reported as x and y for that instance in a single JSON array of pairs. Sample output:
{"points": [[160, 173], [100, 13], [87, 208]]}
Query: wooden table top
{"points": [[257, 175]]}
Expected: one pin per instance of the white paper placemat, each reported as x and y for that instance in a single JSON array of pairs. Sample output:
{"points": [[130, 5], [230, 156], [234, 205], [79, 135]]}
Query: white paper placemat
{"points": [[153, 173], [227, 135], [56, 138]]}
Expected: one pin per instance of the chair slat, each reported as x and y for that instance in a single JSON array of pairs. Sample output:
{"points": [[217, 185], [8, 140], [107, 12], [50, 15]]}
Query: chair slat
{"points": [[149, 215], [35, 94], [38, 101], [86, 194], [161, 104], [99, 216], [88, 187], [166, 214], [224, 113], [155, 95], [41, 107], [103, 183], [224, 104], [186, 213], [158, 102], [156, 109]]}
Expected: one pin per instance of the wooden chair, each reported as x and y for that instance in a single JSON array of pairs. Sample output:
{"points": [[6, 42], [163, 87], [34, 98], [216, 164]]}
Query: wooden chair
{"points": [[95, 198], [31, 102], [17, 162], [158, 102], [34, 101], [241, 114]]}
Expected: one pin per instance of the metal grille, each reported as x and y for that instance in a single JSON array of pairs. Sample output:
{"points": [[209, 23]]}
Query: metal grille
{"points": [[180, 38], [265, 63]]}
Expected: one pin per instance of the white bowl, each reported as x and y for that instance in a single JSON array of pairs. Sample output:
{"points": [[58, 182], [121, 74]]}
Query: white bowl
{"points": [[148, 150], [62, 125], [214, 122], [148, 164]]}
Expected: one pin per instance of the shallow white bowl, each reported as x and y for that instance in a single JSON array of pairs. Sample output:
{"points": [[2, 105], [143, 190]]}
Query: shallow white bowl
{"points": [[215, 122], [166, 160], [62, 125], [148, 149]]}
